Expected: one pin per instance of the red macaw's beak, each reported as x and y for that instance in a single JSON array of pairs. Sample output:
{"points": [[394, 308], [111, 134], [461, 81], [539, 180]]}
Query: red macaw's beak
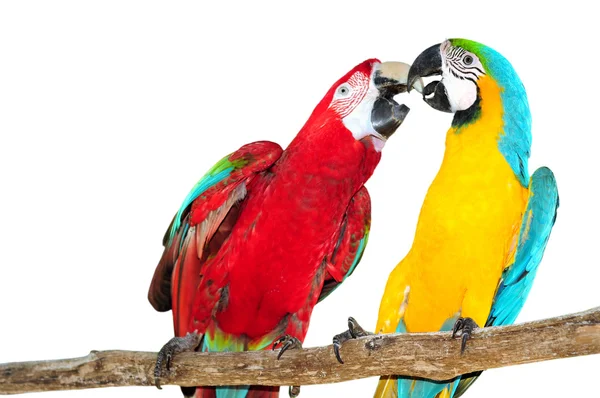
{"points": [[390, 78]]}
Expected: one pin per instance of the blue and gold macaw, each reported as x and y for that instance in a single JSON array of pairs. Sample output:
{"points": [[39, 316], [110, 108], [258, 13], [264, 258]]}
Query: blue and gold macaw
{"points": [[484, 223]]}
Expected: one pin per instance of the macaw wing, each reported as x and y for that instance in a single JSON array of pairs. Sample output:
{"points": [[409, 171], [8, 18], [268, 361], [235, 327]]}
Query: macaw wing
{"points": [[517, 279], [206, 217], [538, 220], [351, 242]]}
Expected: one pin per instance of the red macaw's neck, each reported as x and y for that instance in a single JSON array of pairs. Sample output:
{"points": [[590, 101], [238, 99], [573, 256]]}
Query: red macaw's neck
{"points": [[330, 154], [288, 226]]}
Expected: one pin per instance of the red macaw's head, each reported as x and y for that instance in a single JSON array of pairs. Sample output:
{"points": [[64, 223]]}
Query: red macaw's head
{"points": [[362, 101], [358, 114]]}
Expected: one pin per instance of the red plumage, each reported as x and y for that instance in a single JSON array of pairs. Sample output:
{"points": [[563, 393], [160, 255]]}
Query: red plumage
{"points": [[252, 252]]}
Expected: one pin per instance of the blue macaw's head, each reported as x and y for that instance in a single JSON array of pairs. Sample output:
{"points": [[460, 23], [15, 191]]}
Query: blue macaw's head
{"points": [[461, 63], [466, 69]]}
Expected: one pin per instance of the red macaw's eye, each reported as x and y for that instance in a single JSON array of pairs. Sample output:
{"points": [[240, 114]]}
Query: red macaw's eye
{"points": [[350, 93], [343, 91]]}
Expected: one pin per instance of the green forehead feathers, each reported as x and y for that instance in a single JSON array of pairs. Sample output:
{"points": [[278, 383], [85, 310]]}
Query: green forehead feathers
{"points": [[473, 47], [469, 45]]}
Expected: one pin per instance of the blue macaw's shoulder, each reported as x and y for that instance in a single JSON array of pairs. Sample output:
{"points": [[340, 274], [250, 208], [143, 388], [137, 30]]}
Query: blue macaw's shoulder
{"points": [[538, 220], [350, 244], [217, 184]]}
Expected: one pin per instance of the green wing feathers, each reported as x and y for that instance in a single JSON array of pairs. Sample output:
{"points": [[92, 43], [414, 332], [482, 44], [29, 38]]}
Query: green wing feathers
{"points": [[204, 209]]}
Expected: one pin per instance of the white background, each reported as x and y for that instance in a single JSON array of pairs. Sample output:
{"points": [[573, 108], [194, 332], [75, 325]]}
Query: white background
{"points": [[110, 111]]}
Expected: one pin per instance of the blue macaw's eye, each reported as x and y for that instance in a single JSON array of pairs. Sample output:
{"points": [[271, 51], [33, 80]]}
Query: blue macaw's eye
{"points": [[468, 60]]}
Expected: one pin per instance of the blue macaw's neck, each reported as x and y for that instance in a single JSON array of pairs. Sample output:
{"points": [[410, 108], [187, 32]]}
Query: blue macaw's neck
{"points": [[501, 109]]}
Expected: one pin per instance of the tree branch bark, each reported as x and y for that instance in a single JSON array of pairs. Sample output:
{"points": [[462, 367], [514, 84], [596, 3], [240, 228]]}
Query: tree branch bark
{"points": [[428, 355]]}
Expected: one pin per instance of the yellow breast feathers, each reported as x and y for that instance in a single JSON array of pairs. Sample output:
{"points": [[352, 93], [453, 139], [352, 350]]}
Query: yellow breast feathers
{"points": [[466, 233]]}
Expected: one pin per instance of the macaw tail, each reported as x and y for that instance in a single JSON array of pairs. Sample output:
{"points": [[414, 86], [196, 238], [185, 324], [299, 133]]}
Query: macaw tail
{"points": [[387, 387], [236, 392], [215, 340], [400, 387]]}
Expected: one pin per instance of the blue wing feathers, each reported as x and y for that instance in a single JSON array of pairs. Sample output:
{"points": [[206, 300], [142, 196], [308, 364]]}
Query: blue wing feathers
{"points": [[359, 253], [538, 220], [201, 186], [206, 182], [515, 142]]}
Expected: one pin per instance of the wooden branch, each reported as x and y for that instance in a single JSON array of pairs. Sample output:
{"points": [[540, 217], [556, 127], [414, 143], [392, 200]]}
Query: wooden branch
{"points": [[429, 355]]}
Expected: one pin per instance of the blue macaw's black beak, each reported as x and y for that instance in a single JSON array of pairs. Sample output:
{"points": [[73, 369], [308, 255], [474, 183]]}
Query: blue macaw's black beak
{"points": [[429, 63], [390, 78]]}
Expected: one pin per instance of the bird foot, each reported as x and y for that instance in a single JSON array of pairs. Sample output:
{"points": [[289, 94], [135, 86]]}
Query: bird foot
{"points": [[287, 342], [465, 326], [175, 346], [354, 331]]}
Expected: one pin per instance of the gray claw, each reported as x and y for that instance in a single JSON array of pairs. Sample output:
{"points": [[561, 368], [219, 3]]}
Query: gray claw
{"points": [[173, 347], [465, 326], [289, 342], [354, 331]]}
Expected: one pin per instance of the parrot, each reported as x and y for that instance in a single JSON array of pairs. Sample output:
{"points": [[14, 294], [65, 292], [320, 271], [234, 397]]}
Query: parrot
{"points": [[267, 233], [484, 223]]}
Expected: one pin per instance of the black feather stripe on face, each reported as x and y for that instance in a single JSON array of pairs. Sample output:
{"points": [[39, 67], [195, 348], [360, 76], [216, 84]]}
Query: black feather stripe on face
{"points": [[455, 61]]}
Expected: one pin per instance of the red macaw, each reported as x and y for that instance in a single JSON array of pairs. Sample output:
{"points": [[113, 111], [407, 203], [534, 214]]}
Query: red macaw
{"points": [[267, 232]]}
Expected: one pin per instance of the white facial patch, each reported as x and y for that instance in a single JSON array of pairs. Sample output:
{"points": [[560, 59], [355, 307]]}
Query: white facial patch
{"points": [[353, 101], [462, 93], [461, 69], [359, 120]]}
